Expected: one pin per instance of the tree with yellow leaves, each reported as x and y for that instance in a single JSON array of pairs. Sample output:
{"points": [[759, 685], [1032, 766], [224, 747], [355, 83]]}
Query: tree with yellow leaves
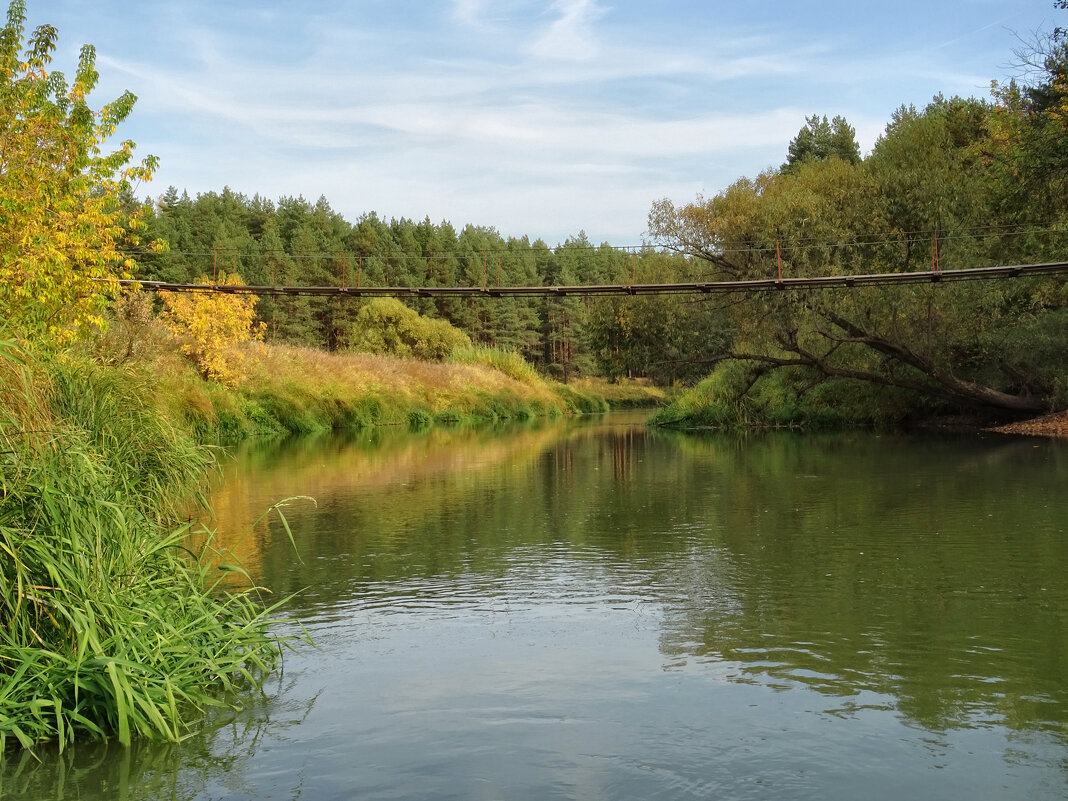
{"points": [[63, 225], [209, 323]]}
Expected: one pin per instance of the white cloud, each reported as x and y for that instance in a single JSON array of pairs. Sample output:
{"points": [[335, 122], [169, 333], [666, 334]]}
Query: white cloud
{"points": [[534, 116]]}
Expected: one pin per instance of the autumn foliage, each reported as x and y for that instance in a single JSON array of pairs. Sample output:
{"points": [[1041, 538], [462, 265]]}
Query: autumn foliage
{"points": [[65, 229], [210, 323]]}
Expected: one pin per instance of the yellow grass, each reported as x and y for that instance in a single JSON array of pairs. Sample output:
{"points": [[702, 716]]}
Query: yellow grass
{"points": [[635, 392], [438, 386]]}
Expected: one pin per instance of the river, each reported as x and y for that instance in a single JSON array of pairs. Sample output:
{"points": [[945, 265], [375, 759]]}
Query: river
{"points": [[593, 610]]}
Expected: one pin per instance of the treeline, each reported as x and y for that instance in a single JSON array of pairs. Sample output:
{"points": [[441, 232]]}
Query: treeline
{"points": [[293, 242]]}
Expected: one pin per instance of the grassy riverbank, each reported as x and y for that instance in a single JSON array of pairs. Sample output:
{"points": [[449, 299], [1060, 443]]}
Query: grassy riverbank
{"points": [[110, 625], [291, 390], [734, 397]]}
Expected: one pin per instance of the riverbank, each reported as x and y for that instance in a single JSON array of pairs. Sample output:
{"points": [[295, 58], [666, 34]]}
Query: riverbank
{"points": [[734, 398], [113, 625], [291, 390], [1050, 425]]}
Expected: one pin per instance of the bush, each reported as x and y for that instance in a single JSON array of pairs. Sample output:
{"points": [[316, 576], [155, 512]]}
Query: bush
{"points": [[208, 324], [386, 326]]}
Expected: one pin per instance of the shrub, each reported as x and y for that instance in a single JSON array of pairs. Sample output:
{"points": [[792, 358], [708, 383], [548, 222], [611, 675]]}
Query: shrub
{"points": [[386, 326], [208, 324]]}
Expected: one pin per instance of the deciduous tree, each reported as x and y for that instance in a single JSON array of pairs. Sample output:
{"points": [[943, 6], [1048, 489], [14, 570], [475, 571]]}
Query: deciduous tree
{"points": [[65, 233], [928, 195], [209, 324], [387, 326]]}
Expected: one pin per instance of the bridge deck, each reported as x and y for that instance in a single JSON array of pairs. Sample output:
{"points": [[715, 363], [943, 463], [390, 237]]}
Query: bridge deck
{"points": [[978, 273]]}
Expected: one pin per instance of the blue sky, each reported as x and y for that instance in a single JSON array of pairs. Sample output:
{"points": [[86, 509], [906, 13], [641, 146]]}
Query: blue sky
{"points": [[535, 117]]}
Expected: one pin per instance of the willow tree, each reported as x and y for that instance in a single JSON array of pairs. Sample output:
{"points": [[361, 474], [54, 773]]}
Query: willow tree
{"points": [[931, 195], [65, 227]]}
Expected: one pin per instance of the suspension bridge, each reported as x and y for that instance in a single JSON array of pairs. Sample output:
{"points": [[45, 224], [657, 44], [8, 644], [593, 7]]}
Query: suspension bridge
{"points": [[696, 287]]}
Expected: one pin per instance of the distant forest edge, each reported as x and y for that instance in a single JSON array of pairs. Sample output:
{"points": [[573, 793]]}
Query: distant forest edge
{"points": [[293, 242], [959, 184]]}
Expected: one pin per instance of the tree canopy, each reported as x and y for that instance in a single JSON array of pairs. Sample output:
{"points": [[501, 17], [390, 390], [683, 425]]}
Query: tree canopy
{"points": [[943, 188], [68, 225], [820, 140]]}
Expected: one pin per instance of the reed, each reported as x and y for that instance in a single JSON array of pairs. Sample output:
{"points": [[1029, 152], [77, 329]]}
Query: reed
{"points": [[109, 623]]}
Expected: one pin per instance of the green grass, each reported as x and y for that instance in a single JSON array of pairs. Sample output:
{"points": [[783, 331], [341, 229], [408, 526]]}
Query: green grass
{"points": [[290, 390], [624, 393], [109, 624], [580, 401]]}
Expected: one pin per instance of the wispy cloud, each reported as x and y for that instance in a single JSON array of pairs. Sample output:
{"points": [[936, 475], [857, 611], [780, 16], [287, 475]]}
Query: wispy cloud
{"points": [[571, 36], [538, 116], [469, 12]]}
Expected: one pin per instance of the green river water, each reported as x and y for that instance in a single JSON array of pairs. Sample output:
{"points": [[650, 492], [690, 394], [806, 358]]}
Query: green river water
{"points": [[594, 610]]}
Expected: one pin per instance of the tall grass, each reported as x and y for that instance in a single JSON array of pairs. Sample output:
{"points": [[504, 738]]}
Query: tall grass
{"points": [[505, 361], [109, 625], [624, 393], [301, 390]]}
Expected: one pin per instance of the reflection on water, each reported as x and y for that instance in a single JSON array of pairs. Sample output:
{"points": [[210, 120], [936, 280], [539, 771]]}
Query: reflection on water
{"points": [[600, 611], [210, 764]]}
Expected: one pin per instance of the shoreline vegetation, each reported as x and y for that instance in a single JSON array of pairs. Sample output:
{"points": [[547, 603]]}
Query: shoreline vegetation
{"points": [[286, 389], [112, 625], [730, 400]]}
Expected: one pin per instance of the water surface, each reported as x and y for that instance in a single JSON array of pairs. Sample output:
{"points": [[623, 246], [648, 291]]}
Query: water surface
{"points": [[596, 611]]}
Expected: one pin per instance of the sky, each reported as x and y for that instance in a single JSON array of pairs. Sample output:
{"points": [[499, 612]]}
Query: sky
{"points": [[539, 118]]}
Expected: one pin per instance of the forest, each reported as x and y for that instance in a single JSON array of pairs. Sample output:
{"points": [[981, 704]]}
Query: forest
{"points": [[958, 184], [293, 242]]}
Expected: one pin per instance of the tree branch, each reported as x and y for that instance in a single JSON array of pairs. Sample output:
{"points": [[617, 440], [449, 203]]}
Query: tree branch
{"points": [[948, 385]]}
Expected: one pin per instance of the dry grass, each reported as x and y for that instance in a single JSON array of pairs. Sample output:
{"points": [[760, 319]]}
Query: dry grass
{"points": [[398, 384], [288, 389], [24, 406], [625, 393]]}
